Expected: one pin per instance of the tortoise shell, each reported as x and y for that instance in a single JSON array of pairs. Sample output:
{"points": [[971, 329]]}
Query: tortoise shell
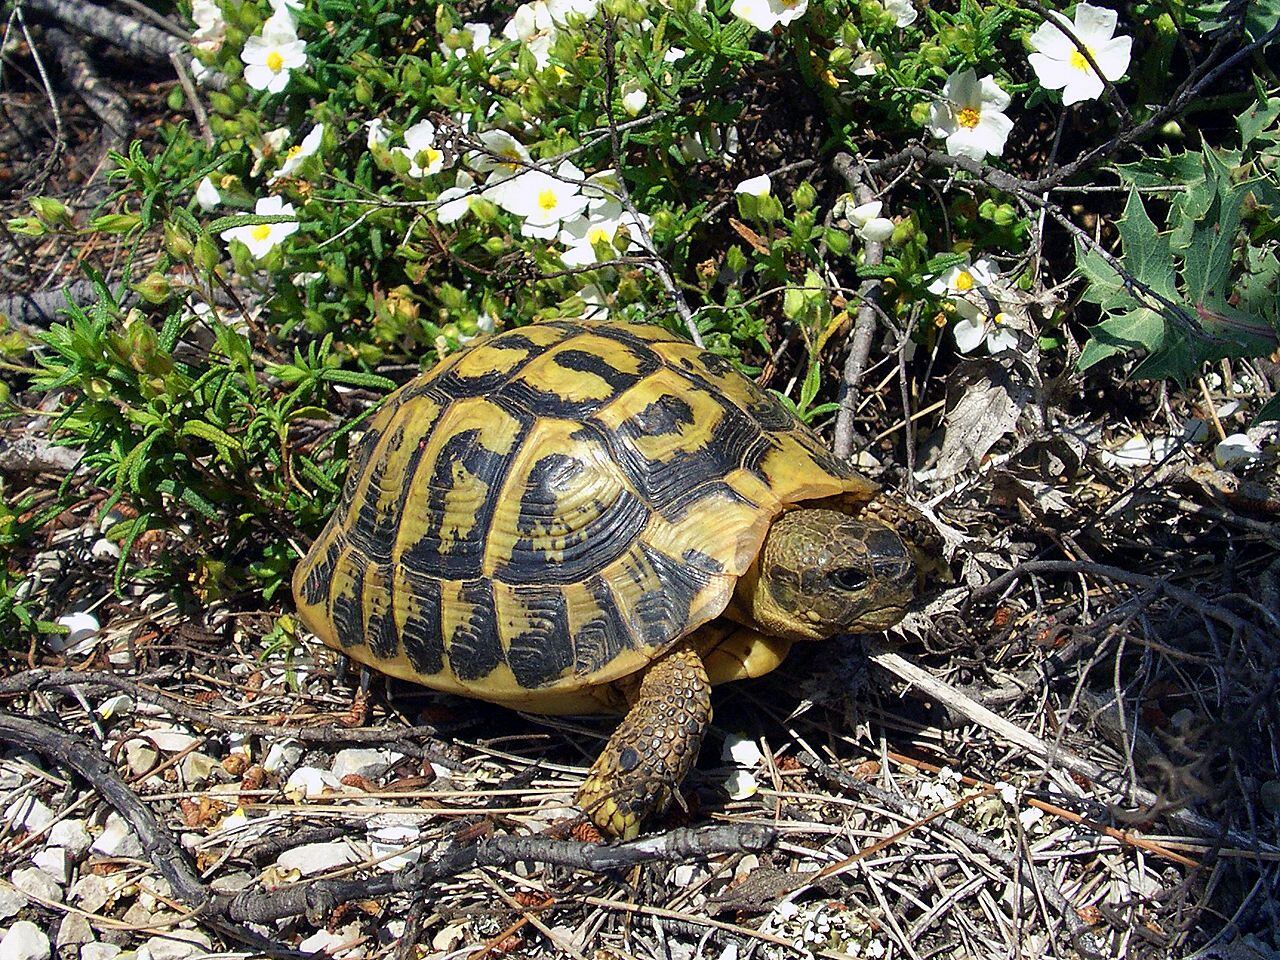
{"points": [[549, 509]]}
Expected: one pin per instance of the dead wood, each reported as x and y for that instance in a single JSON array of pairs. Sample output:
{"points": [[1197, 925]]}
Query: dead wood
{"points": [[131, 36]]}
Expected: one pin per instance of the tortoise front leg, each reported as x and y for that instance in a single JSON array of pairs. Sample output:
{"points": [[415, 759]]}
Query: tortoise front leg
{"points": [[653, 748]]}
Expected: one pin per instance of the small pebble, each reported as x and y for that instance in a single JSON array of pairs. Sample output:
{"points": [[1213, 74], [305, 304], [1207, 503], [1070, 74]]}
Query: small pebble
{"points": [[117, 839], [37, 884], [98, 951], [72, 836], [311, 858], [24, 941]]}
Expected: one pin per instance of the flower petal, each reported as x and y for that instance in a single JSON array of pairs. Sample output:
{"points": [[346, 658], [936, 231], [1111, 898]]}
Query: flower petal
{"points": [[1094, 25], [1084, 86], [1053, 74], [994, 96], [1113, 57], [969, 333]]}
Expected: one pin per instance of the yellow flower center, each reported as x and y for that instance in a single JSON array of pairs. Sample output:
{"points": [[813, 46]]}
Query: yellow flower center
{"points": [[964, 281], [1001, 317], [294, 150], [434, 156], [969, 117], [275, 62], [1079, 62], [547, 200], [597, 235], [261, 232]]}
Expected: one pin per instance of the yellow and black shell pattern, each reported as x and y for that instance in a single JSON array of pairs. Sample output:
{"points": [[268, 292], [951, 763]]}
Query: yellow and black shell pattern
{"points": [[550, 508]]}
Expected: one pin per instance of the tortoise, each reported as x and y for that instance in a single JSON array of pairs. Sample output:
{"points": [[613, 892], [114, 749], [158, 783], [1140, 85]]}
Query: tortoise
{"points": [[598, 517]]}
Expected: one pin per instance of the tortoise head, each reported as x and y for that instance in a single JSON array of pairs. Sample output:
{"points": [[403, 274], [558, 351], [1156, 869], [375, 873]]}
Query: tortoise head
{"points": [[821, 572]]}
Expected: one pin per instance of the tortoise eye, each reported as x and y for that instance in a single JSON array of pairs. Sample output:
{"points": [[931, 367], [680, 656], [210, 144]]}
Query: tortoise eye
{"points": [[848, 578]]}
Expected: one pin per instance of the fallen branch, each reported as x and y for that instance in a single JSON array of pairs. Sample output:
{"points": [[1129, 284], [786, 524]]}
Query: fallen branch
{"points": [[316, 900], [108, 106], [138, 39], [855, 175]]}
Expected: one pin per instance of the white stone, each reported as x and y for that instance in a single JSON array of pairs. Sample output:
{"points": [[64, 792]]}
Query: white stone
{"points": [[54, 862], [98, 951], [170, 740], [332, 943], [198, 768], [82, 629], [72, 836], [231, 883], [285, 753], [117, 839], [24, 941], [311, 858], [176, 945], [104, 549], [73, 930], [11, 901], [92, 892], [29, 814], [37, 884], [141, 756], [154, 893], [364, 762], [308, 782], [396, 844]]}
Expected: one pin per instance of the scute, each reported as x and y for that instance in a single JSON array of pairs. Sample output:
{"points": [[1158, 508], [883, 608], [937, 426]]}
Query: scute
{"points": [[549, 509]]}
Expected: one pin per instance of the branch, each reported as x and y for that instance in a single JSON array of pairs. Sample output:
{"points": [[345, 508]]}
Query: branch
{"points": [[855, 175], [319, 898], [128, 34]]}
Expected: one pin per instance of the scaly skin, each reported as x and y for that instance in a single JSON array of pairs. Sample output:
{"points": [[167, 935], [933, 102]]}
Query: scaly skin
{"points": [[653, 748], [820, 572]]}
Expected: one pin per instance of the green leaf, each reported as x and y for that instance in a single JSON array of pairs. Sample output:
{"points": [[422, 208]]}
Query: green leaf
{"points": [[1146, 251], [1137, 329], [1257, 118], [207, 431], [356, 378]]}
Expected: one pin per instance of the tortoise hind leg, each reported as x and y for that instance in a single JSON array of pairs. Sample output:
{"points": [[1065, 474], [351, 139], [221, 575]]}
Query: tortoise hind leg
{"points": [[653, 748]]}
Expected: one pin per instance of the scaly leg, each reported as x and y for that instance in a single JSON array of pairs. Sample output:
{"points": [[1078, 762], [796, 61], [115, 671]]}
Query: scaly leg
{"points": [[653, 748]]}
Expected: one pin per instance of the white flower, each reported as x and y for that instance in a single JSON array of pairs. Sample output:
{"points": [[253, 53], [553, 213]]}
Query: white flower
{"points": [[975, 326], [269, 58], [377, 135], [261, 238], [533, 26], [760, 186], [278, 5], [867, 62], [903, 11], [564, 11], [207, 195], [767, 14], [281, 22], [634, 98], [702, 146], [602, 187], [582, 234], [1059, 64], [505, 160], [543, 200], [299, 152], [868, 223], [964, 277], [970, 116], [199, 72], [466, 39], [1237, 448], [420, 144], [455, 202], [211, 25]]}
